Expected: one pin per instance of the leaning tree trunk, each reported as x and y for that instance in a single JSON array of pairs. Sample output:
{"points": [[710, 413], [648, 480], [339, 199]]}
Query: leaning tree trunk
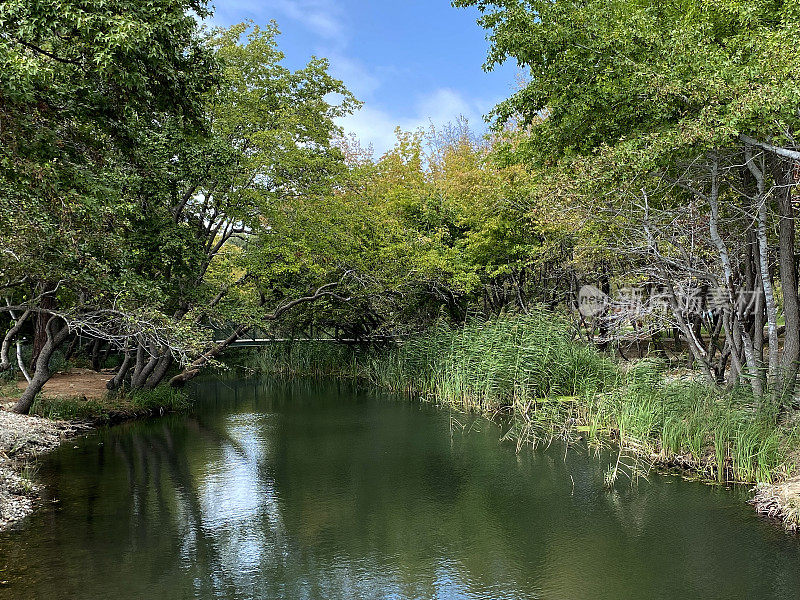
{"points": [[160, 371], [21, 363], [193, 370], [118, 379], [48, 302], [53, 339]]}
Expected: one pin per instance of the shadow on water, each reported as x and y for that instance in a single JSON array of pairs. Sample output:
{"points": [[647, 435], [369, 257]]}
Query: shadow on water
{"points": [[317, 490]]}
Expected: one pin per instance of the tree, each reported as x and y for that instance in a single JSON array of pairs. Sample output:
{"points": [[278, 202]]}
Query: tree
{"points": [[659, 90], [79, 80], [268, 149]]}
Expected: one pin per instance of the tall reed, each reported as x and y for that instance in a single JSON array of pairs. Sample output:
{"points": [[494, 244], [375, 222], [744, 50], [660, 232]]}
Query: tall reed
{"points": [[312, 359], [490, 365]]}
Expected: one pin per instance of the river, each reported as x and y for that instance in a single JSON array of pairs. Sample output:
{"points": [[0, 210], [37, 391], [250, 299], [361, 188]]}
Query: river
{"points": [[309, 490]]}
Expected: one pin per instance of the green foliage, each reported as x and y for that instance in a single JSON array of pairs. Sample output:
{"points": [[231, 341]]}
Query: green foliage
{"points": [[277, 127], [231, 223], [158, 163], [431, 226], [80, 80], [646, 73]]}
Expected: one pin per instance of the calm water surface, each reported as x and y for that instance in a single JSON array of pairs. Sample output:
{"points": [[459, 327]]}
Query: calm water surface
{"points": [[314, 491]]}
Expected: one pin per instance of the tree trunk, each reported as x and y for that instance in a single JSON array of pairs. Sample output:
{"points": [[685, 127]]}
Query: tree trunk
{"points": [[139, 362], [782, 173], [158, 374], [735, 331], [95, 356], [116, 382], [143, 369], [53, 339], [602, 320], [139, 379], [193, 370], [106, 354], [767, 292], [21, 363], [47, 302]]}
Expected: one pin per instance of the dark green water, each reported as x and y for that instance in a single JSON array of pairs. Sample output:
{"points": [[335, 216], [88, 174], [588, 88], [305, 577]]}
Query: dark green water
{"points": [[306, 491]]}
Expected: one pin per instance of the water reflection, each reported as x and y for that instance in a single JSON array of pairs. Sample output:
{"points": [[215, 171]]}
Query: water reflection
{"points": [[305, 490]]}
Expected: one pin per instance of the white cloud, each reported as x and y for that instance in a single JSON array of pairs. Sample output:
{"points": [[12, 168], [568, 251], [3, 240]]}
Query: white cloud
{"points": [[322, 17], [354, 74], [375, 126]]}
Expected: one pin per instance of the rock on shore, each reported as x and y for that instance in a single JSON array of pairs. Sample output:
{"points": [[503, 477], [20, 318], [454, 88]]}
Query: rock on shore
{"points": [[22, 439]]}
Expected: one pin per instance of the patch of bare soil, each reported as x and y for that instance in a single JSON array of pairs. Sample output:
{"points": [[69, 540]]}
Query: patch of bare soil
{"points": [[22, 439], [75, 383]]}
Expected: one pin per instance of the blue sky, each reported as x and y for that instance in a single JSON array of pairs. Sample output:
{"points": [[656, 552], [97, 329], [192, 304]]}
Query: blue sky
{"points": [[412, 62]]}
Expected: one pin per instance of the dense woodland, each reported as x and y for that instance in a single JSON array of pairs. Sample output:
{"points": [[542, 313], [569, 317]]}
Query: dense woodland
{"points": [[160, 182]]}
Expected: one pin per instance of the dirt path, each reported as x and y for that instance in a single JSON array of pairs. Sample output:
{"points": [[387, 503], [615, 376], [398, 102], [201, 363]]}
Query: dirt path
{"points": [[75, 383]]}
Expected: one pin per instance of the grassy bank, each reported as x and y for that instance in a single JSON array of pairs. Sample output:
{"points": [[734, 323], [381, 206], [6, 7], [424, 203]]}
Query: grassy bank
{"points": [[114, 408], [93, 407], [530, 368]]}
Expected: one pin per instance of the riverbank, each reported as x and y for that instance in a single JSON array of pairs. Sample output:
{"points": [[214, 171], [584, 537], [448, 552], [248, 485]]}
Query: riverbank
{"points": [[529, 371], [72, 403]]}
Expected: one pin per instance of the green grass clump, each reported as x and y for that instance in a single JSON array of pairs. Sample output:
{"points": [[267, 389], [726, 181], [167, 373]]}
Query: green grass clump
{"points": [[160, 399], [726, 436], [71, 409], [309, 359], [493, 364], [113, 407]]}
